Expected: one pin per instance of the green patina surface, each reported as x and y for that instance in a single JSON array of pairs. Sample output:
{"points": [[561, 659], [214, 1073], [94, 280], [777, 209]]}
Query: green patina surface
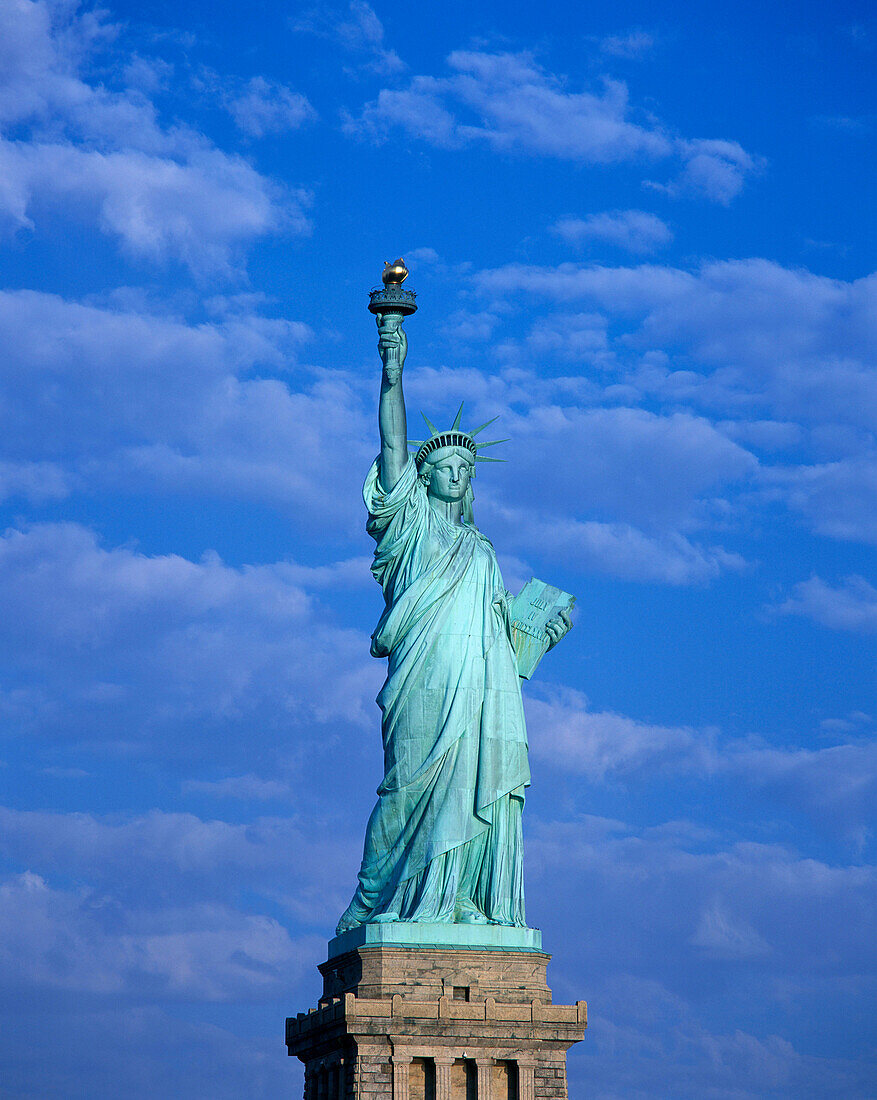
{"points": [[443, 847], [412, 934]]}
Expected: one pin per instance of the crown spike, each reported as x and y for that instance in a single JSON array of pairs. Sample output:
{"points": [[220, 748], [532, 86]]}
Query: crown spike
{"points": [[475, 431], [454, 436]]}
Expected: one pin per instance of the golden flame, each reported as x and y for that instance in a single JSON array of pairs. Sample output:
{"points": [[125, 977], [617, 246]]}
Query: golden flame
{"points": [[394, 273]]}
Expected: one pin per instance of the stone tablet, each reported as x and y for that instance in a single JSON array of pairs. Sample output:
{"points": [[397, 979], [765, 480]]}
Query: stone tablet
{"points": [[530, 611]]}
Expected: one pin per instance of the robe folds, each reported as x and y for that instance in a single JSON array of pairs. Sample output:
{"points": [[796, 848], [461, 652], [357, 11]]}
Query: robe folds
{"points": [[443, 842]]}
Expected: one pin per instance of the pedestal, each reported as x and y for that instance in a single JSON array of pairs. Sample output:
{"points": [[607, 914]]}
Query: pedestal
{"points": [[434, 1022]]}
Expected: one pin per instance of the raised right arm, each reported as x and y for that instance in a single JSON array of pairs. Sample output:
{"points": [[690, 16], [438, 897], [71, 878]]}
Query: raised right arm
{"points": [[392, 422]]}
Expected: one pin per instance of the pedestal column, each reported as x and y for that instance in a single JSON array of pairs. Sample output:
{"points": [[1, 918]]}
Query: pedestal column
{"points": [[526, 1081], [443, 1077], [485, 1072], [401, 1067]]}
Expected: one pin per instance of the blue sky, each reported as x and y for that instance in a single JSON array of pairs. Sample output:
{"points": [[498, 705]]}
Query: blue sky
{"points": [[644, 239]]}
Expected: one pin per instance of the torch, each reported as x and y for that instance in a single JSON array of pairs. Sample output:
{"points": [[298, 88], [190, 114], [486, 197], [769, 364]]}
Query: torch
{"points": [[390, 303]]}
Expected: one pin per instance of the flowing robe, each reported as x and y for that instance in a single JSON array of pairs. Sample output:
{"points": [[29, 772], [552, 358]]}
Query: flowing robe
{"points": [[444, 840]]}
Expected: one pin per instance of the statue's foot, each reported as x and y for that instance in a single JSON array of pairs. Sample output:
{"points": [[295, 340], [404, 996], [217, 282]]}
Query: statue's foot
{"points": [[472, 916], [385, 918], [348, 921]]}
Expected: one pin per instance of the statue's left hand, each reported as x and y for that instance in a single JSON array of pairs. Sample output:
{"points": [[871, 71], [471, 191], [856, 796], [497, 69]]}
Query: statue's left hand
{"points": [[556, 628]]}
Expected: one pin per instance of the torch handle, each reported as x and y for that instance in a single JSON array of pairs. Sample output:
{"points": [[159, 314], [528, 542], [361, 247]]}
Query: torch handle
{"points": [[391, 352]]}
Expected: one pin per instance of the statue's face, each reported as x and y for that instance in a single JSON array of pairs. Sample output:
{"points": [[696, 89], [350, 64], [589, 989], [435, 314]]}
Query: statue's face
{"points": [[449, 475]]}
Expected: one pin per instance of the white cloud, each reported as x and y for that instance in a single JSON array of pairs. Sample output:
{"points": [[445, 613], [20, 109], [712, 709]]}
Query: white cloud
{"points": [[787, 352], [265, 107], [416, 109], [487, 391], [654, 899], [76, 940], [623, 289], [635, 44], [765, 435], [305, 863], [164, 192], [147, 74], [600, 745], [839, 499], [147, 401], [835, 785], [516, 105], [628, 487], [193, 859], [763, 887], [470, 326], [509, 102], [34, 481], [240, 786], [581, 338], [633, 230], [624, 464], [613, 549], [115, 397], [851, 605], [716, 170], [774, 335], [43, 47], [360, 33], [629, 1054], [723, 937], [750, 906], [853, 721], [174, 644], [198, 211]]}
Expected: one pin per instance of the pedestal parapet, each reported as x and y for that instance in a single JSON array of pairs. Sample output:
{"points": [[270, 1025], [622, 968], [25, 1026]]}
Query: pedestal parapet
{"points": [[435, 1023], [489, 937]]}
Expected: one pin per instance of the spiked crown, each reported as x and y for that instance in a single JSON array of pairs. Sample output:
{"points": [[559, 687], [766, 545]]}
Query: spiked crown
{"points": [[453, 437]]}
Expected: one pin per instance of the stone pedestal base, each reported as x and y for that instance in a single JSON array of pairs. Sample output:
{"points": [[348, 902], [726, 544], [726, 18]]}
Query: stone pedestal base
{"points": [[435, 1023]]}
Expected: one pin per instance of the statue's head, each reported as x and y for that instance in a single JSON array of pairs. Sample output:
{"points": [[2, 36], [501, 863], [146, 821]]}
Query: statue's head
{"points": [[447, 472], [453, 439], [446, 461]]}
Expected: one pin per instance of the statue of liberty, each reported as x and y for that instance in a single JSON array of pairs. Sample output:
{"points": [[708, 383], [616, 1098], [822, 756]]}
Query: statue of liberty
{"points": [[443, 843]]}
